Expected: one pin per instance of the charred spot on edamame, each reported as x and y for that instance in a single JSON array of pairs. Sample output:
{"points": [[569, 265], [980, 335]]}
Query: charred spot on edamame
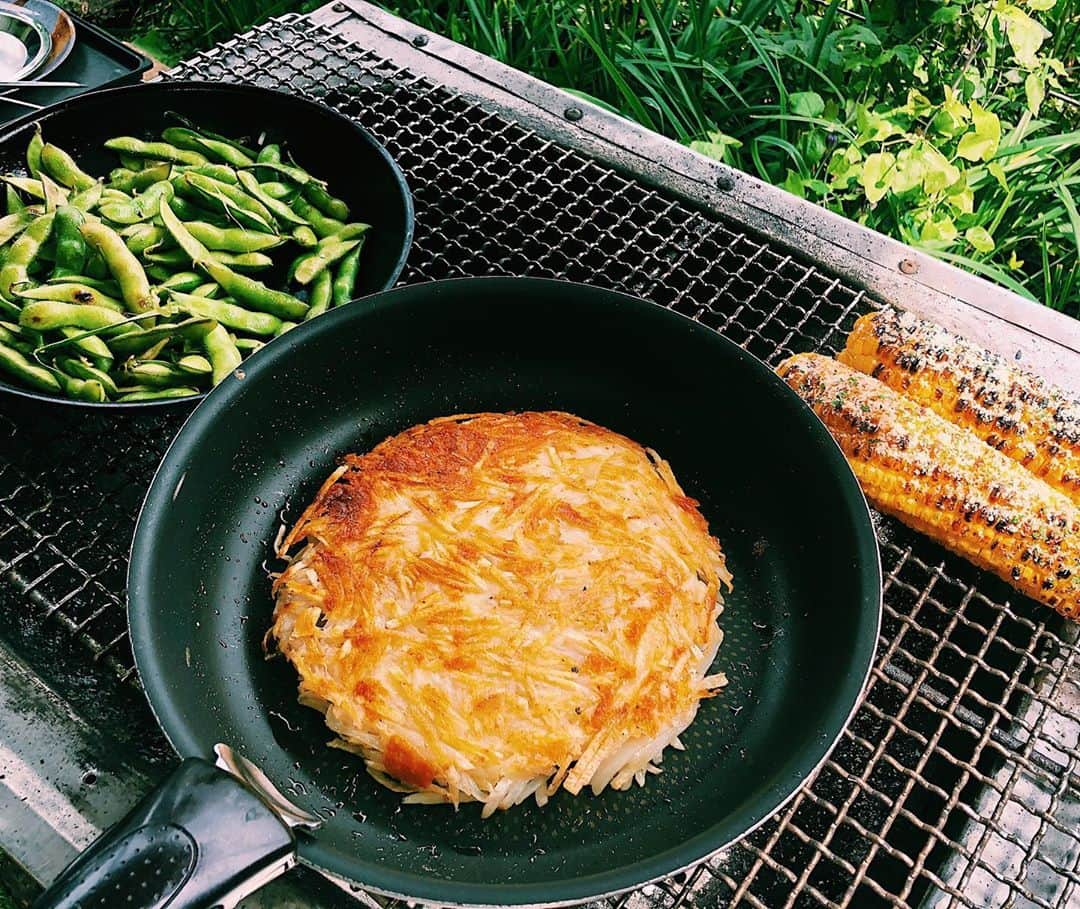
{"points": [[156, 280]]}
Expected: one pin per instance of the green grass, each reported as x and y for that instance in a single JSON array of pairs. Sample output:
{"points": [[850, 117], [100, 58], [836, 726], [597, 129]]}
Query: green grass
{"points": [[952, 125]]}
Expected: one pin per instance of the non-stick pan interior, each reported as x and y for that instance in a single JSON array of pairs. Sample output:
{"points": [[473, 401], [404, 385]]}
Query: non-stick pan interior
{"points": [[800, 627]]}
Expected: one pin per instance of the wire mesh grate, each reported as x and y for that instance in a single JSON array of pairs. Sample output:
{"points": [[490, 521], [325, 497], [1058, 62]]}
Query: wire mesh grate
{"points": [[958, 782]]}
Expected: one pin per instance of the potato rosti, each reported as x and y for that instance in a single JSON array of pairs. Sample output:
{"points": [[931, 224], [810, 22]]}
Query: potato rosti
{"points": [[488, 607]]}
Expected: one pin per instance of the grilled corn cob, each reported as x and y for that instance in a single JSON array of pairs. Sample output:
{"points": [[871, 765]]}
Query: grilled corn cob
{"points": [[1017, 413], [944, 482]]}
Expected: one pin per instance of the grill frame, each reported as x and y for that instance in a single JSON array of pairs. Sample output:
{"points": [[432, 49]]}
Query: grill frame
{"points": [[895, 816]]}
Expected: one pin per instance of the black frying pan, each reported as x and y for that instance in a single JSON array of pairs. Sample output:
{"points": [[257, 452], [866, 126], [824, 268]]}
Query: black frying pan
{"points": [[331, 146], [800, 627]]}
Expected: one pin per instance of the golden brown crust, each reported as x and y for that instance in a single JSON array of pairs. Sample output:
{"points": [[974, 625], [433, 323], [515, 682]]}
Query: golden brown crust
{"points": [[496, 596]]}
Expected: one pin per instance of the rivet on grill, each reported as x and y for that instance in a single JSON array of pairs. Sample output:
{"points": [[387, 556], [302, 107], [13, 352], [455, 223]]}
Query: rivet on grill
{"points": [[419, 40], [339, 8], [573, 114], [724, 182], [908, 266]]}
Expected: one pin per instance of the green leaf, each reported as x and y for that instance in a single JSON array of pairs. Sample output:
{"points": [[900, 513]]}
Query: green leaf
{"points": [[981, 143], [873, 127], [939, 230], [1040, 5], [946, 15], [998, 173], [910, 170], [940, 172], [875, 170], [793, 183], [1035, 90], [980, 238], [806, 104], [1024, 33], [716, 146]]}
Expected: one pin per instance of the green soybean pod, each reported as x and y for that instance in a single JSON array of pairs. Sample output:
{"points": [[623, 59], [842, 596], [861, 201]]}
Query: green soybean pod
{"points": [[345, 279], [228, 314], [91, 346], [14, 224], [33, 152], [77, 369], [182, 137], [268, 154], [222, 353], [22, 252], [158, 394], [72, 292], [45, 315], [322, 257], [211, 290], [59, 165], [232, 239], [82, 389], [70, 245], [243, 289], [331, 206], [305, 237], [184, 281], [19, 367], [88, 199], [155, 373], [323, 225], [121, 262], [108, 287], [13, 203], [156, 151], [148, 176], [29, 185], [140, 237], [248, 345], [139, 341], [195, 365], [285, 327], [142, 207], [277, 208], [275, 189], [221, 172], [321, 294]]}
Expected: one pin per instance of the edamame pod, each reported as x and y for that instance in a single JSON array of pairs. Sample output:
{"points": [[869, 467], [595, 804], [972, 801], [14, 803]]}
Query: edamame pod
{"points": [[276, 207], [222, 353], [18, 366], [345, 279], [121, 262], [44, 315], [74, 293], [182, 137], [59, 165], [321, 294], [70, 245], [157, 151], [232, 239], [22, 253], [228, 314], [158, 394], [33, 152], [315, 192], [79, 370]]}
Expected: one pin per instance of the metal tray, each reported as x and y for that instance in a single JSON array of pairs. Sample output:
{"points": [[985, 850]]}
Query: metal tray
{"points": [[98, 60]]}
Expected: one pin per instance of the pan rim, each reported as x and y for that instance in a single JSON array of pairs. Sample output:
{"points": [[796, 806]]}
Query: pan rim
{"points": [[418, 887]]}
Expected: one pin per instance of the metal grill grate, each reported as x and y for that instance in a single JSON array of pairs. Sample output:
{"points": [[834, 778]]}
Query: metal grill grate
{"points": [[958, 783]]}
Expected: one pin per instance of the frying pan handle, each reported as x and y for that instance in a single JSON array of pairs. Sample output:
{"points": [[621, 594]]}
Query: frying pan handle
{"points": [[202, 838]]}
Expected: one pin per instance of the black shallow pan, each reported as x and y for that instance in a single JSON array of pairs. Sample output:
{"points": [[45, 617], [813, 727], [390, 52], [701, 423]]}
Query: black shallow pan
{"points": [[800, 627], [334, 148]]}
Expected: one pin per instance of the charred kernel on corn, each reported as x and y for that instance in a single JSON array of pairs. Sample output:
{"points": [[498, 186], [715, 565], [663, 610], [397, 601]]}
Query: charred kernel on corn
{"points": [[1017, 413], [943, 481]]}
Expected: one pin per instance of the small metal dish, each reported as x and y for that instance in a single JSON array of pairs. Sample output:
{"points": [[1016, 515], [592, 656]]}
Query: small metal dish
{"points": [[25, 43]]}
